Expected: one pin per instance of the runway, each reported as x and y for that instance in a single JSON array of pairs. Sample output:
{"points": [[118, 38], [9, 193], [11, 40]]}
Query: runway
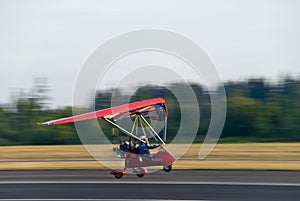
{"points": [[176, 185]]}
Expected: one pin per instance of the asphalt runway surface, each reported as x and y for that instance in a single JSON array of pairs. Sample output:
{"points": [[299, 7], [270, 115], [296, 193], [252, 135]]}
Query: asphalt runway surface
{"points": [[175, 185]]}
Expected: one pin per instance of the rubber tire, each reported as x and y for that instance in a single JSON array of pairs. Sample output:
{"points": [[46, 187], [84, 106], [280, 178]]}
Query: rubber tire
{"points": [[140, 175], [118, 176], [167, 168]]}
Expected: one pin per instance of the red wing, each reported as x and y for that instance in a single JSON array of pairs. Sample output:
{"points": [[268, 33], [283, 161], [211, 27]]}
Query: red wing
{"points": [[114, 112]]}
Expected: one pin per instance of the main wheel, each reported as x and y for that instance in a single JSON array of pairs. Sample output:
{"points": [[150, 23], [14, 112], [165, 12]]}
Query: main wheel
{"points": [[167, 168], [118, 176], [140, 175]]}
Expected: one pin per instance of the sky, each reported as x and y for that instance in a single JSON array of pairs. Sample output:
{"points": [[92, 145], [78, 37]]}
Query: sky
{"points": [[53, 39]]}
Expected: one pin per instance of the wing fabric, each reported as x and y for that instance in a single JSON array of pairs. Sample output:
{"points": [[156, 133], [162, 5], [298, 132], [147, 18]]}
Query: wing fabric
{"points": [[132, 108]]}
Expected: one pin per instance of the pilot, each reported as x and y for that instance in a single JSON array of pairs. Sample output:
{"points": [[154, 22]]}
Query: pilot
{"points": [[144, 147]]}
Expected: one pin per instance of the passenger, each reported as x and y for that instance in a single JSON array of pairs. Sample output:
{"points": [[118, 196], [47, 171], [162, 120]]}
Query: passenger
{"points": [[144, 147]]}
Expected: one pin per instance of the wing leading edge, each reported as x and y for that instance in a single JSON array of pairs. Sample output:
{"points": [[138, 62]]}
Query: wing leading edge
{"points": [[134, 107]]}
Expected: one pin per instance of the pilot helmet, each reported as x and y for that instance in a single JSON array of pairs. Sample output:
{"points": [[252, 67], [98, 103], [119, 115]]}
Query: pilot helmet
{"points": [[144, 138]]}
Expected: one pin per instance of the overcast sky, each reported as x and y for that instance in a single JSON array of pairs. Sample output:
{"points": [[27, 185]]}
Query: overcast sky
{"points": [[52, 39]]}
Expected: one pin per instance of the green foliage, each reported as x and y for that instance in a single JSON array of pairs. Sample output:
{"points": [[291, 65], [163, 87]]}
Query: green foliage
{"points": [[256, 111], [241, 112]]}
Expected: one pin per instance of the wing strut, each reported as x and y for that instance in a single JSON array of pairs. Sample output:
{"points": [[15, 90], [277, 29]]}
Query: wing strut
{"points": [[143, 129], [165, 129], [133, 126], [122, 129], [147, 127], [152, 129]]}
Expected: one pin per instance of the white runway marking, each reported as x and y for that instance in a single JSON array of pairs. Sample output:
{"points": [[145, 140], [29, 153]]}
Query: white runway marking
{"points": [[91, 200], [155, 182]]}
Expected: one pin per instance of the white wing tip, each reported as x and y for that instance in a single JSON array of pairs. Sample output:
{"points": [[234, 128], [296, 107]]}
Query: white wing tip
{"points": [[44, 123]]}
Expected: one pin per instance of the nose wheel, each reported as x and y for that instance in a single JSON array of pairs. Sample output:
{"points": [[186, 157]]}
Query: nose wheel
{"points": [[118, 173]]}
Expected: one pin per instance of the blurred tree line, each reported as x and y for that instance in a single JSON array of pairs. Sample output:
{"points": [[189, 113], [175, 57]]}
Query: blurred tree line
{"points": [[257, 110], [18, 119]]}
